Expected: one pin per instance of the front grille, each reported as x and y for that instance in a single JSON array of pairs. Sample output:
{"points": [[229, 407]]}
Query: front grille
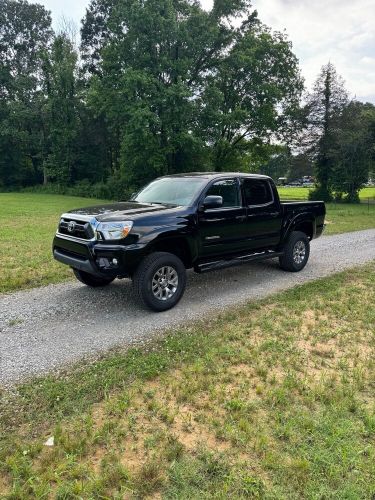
{"points": [[76, 228]]}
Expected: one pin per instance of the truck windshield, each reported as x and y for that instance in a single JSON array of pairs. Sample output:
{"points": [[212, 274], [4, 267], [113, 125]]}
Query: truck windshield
{"points": [[178, 191]]}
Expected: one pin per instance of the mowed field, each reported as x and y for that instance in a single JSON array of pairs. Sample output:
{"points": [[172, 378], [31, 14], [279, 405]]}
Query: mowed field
{"points": [[28, 222], [271, 400], [301, 193]]}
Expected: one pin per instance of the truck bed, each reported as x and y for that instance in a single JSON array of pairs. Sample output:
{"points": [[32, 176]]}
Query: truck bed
{"points": [[314, 208]]}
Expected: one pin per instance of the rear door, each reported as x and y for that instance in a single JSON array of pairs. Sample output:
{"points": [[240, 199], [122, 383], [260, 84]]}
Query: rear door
{"points": [[264, 217], [223, 230]]}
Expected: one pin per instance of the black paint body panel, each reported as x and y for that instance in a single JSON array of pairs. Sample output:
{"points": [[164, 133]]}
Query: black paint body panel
{"points": [[196, 234]]}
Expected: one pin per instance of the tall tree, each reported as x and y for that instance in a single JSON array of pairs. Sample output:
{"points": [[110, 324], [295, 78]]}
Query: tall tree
{"points": [[324, 106], [184, 88], [253, 93], [278, 163], [25, 35], [372, 140], [283, 164], [60, 111], [353, 149], [300, 165], [95, 32]]}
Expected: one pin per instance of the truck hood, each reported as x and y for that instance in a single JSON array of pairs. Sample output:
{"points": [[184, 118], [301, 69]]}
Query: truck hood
{"points": [[119, 211]]}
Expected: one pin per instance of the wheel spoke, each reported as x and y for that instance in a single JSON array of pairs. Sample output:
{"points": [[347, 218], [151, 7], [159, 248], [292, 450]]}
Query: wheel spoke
{"points": [[299, 252], [164, 283]]}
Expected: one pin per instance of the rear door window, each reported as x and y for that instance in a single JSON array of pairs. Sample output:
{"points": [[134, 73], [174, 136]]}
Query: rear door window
{"points": [[257, 192]]}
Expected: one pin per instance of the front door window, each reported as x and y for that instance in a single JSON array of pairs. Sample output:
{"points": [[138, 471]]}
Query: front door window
{"points": [[228, 190]]}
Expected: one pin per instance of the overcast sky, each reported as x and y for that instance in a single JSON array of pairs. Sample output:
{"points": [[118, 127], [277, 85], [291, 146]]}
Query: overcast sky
{"points": [[341, 31]]}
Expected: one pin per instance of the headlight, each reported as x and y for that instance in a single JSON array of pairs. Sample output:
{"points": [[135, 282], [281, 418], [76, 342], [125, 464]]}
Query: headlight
{"points": [[114, 230]]}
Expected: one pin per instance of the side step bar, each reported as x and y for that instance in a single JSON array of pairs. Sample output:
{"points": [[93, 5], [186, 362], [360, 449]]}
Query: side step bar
{"points": [[235, 261]]}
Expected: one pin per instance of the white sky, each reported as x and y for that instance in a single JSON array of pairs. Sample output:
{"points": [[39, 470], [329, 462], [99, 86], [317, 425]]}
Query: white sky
{"points": [[341, 31]]}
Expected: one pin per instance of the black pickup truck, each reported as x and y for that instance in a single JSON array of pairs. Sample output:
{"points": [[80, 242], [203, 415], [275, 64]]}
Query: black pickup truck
{"points": [[203, 221]]}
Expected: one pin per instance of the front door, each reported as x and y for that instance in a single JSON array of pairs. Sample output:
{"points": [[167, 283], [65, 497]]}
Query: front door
{"points": [[223, 230]]}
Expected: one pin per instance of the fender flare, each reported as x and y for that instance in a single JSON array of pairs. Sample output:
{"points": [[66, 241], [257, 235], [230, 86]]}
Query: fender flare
{"points": [[167, 237], [297, 220]]}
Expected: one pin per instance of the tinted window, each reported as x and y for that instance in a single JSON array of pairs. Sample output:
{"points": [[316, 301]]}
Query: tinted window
{"points": [[228, 189], [257, 192]]}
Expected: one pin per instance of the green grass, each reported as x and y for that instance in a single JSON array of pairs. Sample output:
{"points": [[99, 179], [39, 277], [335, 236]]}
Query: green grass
{"points": [[301, 193], [293, 193], [272, 400], [28, 223], [368, 192], [342, 217]]}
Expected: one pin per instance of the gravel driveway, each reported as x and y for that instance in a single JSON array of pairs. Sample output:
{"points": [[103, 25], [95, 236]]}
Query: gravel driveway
{"points": [[46, 328]]}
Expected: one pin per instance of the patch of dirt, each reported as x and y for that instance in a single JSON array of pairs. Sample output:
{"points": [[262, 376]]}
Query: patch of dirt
{"points": [[323, 351], [98, 416], [337, 348], [242, 369], [310, 320], [193, 435], [328, 350], [96, 458], [133, 458], [365, 351], [4, 486]]}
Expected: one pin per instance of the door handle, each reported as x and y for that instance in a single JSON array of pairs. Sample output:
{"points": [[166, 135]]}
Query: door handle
{"points": [[207, 219], [240, 217]]}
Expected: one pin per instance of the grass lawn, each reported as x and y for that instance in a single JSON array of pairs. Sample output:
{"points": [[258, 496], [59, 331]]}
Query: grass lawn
{"points": [[341, 218], [301, 193], [368, 192], [273, 400], [28, 223]]}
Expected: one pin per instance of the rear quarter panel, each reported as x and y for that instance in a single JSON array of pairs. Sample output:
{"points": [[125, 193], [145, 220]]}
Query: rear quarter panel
{"points": [[297, 212]]}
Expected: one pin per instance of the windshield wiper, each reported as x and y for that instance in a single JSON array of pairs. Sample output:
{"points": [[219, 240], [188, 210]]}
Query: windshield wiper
{"points": [[161, 203]]}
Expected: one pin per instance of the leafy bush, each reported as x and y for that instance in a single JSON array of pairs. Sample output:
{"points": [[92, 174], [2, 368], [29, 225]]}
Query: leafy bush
{"points": [[116, 188]]}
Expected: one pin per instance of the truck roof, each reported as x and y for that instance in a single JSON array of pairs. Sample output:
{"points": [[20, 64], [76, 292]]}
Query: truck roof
{"points": [[212, 175]]}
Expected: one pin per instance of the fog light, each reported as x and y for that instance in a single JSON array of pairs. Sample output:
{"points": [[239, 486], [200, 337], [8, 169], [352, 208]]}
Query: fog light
{"points": [[114, 262]]}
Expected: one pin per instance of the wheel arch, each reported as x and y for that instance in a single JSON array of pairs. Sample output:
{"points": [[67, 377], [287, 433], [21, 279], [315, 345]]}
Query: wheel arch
{"points": [[176, 245], [305, 225]]}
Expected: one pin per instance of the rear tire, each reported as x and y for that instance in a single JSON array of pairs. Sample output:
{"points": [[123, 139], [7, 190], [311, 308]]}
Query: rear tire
{"points": [[90, 279], [296, 252], [160, 281]]}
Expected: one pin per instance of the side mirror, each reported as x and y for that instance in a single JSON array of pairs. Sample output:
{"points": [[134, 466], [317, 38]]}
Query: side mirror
{"points": [[213, 201]]}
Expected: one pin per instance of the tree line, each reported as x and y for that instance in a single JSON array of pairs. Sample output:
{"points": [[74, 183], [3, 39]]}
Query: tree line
{"points": [[163, 86]]}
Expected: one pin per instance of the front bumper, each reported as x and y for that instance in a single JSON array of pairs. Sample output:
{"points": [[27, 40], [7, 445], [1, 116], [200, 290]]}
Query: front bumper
{"points": [[97, 258], [72, 261]]}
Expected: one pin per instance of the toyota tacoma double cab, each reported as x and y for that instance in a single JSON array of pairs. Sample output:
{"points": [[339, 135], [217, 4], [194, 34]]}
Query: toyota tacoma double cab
{"points": [[200, 221]]}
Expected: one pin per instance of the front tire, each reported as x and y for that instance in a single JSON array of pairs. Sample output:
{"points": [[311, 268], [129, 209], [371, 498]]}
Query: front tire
{"points": [[160, 281], [296, 252], [90, 279]]}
